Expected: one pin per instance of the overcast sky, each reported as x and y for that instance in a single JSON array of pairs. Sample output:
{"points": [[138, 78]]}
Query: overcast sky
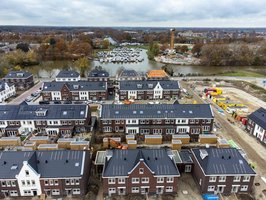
{"points": [[173, 13]]}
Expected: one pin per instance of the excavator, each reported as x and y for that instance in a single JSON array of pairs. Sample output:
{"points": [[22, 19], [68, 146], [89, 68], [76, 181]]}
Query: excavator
{"points": [[115, 144]]}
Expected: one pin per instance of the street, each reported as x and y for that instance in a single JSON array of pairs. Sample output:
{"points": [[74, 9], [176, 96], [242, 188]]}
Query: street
{"points": [[27, 93]]}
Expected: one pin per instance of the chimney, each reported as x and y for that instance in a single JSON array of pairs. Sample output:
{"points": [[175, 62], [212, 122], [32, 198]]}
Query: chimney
{"points": [[172, 38]]}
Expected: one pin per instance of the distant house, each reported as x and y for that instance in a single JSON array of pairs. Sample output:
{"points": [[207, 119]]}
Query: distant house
{"points": [[128, 75], [67, 76], [222, 170], [149, 89], [98, 74], [256, 124], [157, 119], [157, 75], [21, 79], [74, 91], [32, 173], [139, 171], [7, 90]]}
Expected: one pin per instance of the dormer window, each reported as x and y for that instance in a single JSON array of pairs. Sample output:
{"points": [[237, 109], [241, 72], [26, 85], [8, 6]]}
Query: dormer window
{"points": [[150, 85], [76, 87], [41, 112], [139, 85]]}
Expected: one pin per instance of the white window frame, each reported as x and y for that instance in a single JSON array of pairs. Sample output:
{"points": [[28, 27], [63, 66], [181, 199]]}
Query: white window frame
{"points": [[211, 188], [145, 180], [222, 178], [135, 180], [121, 180], [246, 178], [170, 179], [111, 181], [169, 189], [244, 188], [212, 179], [237, 179], [160, 179], [135, 190]]}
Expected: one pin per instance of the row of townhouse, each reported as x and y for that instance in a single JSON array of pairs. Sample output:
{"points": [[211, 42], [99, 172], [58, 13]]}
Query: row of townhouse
{"points": [[74, 91], [155, 171], [7, 90], [149, 89], [256, 124], [32, 173], [192, 119], [50, 120], [21, 79]]}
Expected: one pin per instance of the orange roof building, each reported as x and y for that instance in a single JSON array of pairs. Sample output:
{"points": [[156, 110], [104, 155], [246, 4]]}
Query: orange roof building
{"points": [[157, 74]]}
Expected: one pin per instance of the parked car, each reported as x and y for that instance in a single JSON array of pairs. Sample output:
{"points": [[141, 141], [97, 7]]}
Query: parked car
{"points": [[67, 102], [44, 102], [29, 98], [57, 102]]}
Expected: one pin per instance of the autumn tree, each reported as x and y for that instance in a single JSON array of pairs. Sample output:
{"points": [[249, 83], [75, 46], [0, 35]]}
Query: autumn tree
{"points": [[197, 49], [82, 64], [23, 46], [105, 44], [184, 48]]}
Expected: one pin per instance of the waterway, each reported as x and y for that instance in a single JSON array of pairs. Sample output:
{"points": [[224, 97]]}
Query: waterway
{"points": [[49, 69]]}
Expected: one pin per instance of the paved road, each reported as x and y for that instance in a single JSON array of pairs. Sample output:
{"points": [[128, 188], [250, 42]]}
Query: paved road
{"points": [[27, 93], [254, 80], [235, 133]]}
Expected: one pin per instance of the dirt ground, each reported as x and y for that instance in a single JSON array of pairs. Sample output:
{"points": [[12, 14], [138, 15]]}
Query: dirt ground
{"points": [[256, 152], [252, 102]]}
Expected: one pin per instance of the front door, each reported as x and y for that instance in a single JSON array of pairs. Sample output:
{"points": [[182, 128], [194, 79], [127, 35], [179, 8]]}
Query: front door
{"points": [[34, 192], [220, 189], [235, 188], [144, 190], [159, 190], [121, 191], [188, 168]]}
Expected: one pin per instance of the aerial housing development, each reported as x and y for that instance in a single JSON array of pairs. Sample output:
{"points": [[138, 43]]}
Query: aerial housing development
{"points": [[94, 113]]}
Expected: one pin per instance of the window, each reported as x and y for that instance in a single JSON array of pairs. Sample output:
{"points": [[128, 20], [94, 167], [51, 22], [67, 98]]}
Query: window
{"points": [[170, 131], [111, 181], [141, 171], [72, 181], [212, 179], [27, 172], [135, 190], [67, 182], [55, 182], [8, 183], [222, 178], [211, 188], [33, 182], [13, 183], [55, 192], [135, 180], [28, 183], [27, 192], [46, 182], [77, 181], [160, 179], [206, 128], [51, 182], [13, 193], [3, 183], [144, 180], [121, 180], [167, 121], [76, 191], [169, 189], [237, 178], [169, 179], [244, 188], [246, 178]]}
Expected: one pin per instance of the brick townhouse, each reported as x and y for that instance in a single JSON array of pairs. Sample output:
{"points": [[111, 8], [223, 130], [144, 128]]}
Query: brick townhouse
{"points": [[149, 89], [256, 124], [139, 171], [192, 119], [222, 170], [74, 91], [53, 119], [21, 79], [32, 173]]}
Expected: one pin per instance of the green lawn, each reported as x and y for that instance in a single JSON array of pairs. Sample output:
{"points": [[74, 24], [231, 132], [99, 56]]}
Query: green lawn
{"points": [[243, 74]]}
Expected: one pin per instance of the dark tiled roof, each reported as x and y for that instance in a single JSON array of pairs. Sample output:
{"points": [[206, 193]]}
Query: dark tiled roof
{"points": [[17, 74], [123, 161], [53, 111], [47, 163], [156, 111], [128, 73], [75, 86], [66, 74], [222, 161], [98, 73], [259, 117], [149, 85]]}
